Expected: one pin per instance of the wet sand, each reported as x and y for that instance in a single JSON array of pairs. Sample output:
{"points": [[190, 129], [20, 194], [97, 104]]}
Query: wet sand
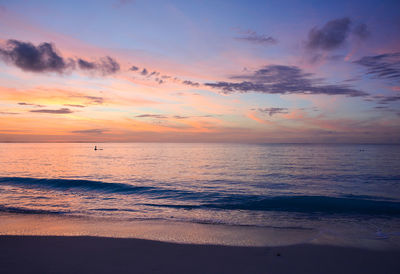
{"points": [[58, 254]]}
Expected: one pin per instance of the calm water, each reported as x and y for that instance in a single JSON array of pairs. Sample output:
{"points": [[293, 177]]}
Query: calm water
{"points": [[338, 192]]}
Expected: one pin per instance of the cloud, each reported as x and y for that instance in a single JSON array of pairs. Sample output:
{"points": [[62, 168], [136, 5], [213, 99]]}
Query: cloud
{"points": [[330, 36], [45, 58], [8, 113], [53, 111], [335, 33], [157, 116], [255, 38], [384, 100], [134, 68], [155, 73], [83, 64], [180, 117], [190, 83], [273, 111], [382, 66], [144, 72], [361, 31], [159, 81], [28, 104], [73, 105], [26, 56], [94, 99], [279, 79], [90, 131], [106, 65]]}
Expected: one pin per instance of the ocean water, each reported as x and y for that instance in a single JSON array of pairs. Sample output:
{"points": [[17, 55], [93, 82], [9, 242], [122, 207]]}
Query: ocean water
{"points": [[241, 194]]}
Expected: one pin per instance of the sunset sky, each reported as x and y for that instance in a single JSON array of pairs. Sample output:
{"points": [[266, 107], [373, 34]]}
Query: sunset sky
{"points": [[200, 71]]}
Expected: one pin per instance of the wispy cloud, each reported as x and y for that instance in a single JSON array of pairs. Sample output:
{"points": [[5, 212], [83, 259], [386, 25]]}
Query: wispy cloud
{"points": [[29, 104], [73, 105], [157, 116], [255, 38], [382, 66], [273, 111], [8, 113], [93, 99], [279, 79], [53, 111], [383, 100], [90, 131]]}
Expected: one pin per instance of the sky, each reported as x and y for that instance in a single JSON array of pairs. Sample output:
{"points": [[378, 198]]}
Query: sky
{"points": [[200, 71]]}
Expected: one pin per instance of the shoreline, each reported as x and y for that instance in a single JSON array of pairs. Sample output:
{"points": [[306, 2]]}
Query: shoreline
{"points": [[87, 254], [179, 232]]}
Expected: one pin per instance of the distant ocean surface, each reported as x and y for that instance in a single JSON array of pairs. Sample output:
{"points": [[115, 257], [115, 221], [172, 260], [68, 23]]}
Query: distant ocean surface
{"points": [[348, 189]]}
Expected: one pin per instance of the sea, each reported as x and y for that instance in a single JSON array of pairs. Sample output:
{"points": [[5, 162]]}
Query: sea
{"points": [[229, 194]]}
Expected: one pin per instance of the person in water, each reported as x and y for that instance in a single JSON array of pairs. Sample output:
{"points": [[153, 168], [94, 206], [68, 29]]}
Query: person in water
{"points": [[95, 147]]}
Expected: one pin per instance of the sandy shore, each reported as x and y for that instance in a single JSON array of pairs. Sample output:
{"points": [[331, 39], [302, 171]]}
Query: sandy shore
{"points": [[31, 254]]}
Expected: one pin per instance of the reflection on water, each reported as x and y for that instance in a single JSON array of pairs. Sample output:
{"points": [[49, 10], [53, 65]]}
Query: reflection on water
{"points": [[332, 190]]}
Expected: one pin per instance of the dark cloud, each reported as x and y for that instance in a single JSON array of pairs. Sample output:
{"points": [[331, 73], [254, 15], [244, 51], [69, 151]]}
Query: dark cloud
{"points": [[330, 36], [105, 66], [83, 64], [180, 117], [53, 111], [86, 65], [26, 56], [90, 131], [134, 68], [384, 100], [157, 116], [44, 58], [28, 104], [190, 83], [76, 106], [155, 73], [383, 66], [253, 37], [278, 79], [273, 111], [144, 72], [361, 31]]}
